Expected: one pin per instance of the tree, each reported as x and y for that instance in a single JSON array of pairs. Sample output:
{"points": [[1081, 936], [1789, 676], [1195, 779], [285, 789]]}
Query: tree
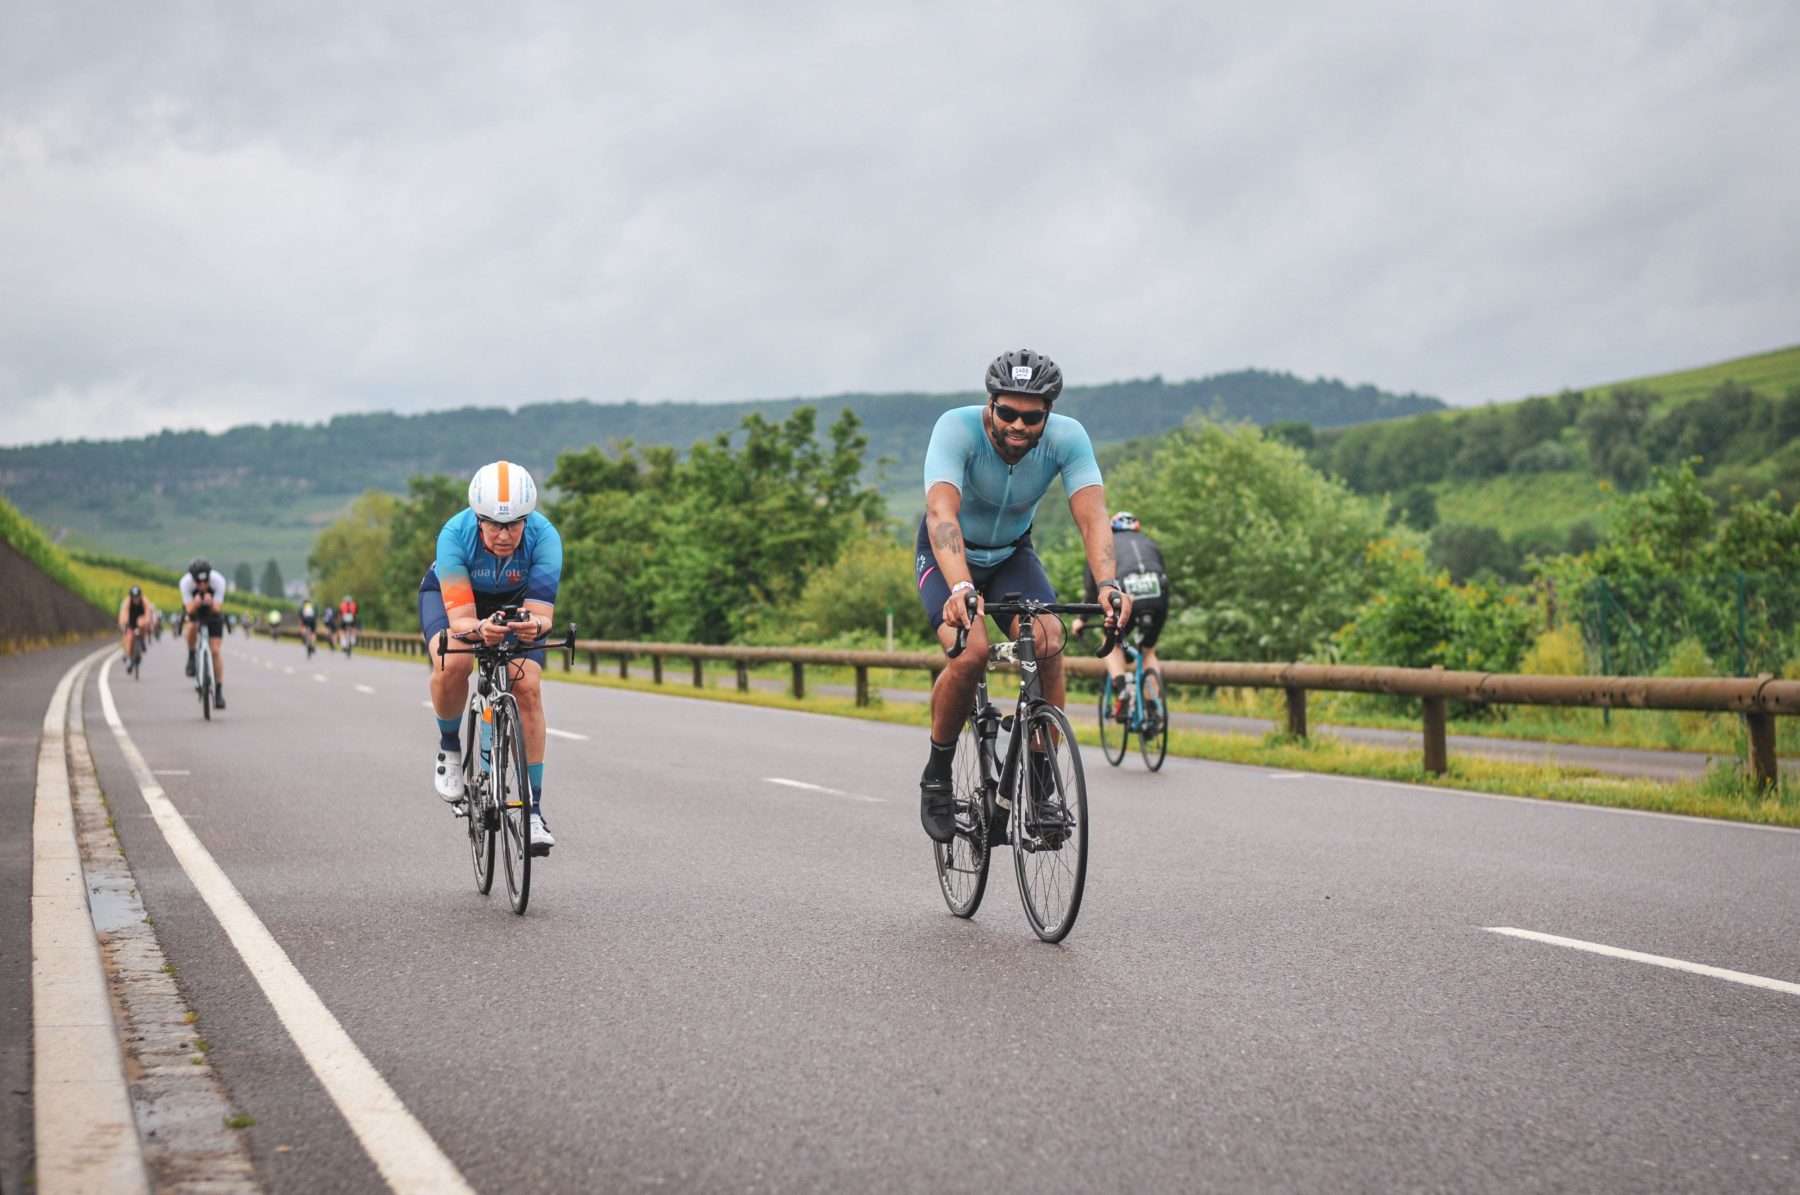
{"points": [[349, 555], [1416, 507], [1613, 426], [1266, 557], [242, 579], [1468, 552], [272, 584]]}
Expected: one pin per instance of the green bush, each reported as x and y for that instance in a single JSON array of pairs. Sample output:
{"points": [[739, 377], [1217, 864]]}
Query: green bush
{"points": [[1421, 619]]}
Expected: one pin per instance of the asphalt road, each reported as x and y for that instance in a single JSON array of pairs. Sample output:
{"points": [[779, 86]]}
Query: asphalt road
{"points": [[1278, 982]]}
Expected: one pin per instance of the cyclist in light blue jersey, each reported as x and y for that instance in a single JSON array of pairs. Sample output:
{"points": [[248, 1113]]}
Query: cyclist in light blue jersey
{"points": [[986, 470]]}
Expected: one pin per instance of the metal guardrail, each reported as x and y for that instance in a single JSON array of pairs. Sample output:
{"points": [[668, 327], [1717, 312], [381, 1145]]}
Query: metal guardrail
{"points": [[1759, 699]]}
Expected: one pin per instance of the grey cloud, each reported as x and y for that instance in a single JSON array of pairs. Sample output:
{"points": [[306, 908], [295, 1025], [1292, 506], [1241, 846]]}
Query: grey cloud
{"points": [[220, 213]]}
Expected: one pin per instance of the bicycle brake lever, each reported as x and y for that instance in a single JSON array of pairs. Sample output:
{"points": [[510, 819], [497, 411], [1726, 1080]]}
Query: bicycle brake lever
{"points": [[962, 632], [1113, 632]]}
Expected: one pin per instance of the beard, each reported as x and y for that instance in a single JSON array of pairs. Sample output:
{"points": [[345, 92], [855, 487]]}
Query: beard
{"points": [[1010, 453]]}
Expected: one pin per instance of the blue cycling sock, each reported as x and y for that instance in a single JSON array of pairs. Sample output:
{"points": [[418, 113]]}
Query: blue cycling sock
{"points": [[535, 772], [448, 729]]}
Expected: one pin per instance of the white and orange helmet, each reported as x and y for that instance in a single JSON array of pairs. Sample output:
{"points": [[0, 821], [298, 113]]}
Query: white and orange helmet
{"points": [[502, 492]]}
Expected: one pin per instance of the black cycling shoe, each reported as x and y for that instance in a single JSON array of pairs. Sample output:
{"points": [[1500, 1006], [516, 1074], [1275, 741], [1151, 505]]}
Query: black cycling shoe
{"points": [[190, 667], [219, 698], [937, 809], [1049, 820]]}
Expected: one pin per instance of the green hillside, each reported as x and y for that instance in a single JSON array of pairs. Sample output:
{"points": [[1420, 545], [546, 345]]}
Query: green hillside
{"points": [[1767, 373], [256, 492]]}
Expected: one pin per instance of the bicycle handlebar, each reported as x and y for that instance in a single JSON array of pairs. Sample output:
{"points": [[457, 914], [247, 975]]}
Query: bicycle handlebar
{"points": [[505, 651], [1029, 608]]}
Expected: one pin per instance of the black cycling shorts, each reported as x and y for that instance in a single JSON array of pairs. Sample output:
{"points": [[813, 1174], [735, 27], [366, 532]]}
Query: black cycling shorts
{"points": [[1148, 617], [434, 619], [1021, 573]]}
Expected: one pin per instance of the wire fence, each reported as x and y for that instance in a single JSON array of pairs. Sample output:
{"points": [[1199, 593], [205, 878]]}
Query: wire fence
{"points": [[1743, 624]]}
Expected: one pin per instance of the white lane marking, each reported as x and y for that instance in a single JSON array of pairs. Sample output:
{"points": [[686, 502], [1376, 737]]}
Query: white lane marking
{"points": [[320, 677], [288, 668], [172, 772], [364, 689], [561, 734], [1289, 775], [86, 1132], [395, 1141], [819, 788], [427, 704], [267, 664], [1655, 960]]}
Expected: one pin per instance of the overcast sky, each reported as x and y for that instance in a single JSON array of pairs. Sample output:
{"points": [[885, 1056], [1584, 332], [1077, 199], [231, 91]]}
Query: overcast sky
{"points": [[222, 213]]}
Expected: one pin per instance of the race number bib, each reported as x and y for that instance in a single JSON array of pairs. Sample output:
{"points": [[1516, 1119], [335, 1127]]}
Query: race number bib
{"points": [[1142, 585]]}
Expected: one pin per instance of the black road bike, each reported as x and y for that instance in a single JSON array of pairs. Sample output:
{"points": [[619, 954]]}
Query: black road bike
{"points": [[1032, 796], [496, 786], [135, 663], [203, 668]]}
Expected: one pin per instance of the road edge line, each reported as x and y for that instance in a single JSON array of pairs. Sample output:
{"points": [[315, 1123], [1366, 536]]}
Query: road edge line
{"points": [[405, 1154], [1654, 960], [84, 1127]]}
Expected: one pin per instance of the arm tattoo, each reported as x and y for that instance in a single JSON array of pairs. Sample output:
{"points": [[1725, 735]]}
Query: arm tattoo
{"points": [[946, 538], [1109, 560]]}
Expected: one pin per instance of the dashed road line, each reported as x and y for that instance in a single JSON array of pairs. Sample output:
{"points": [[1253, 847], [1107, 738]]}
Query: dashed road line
{"points": [[320, 677], [172, 772], [561, 734], [1654, 960], [364, 689], [395, 1141], [820, 788]]}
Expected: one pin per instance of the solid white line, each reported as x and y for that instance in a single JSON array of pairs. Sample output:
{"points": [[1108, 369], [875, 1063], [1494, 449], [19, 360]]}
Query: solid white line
{"points": [[561, 734], [86, 1132], [819, 788], [173, 772], [396, 1142], [1655, 960], [364, 689], [1290, 775], [288, 668]]}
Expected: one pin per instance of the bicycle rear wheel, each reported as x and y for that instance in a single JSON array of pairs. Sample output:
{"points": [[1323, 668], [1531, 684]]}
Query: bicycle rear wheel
{"points": [[1051, 825], [137, 656], [962, 863], [1153, 733], [1114, 736], [479, 801], [512, 793], [203, 672]]}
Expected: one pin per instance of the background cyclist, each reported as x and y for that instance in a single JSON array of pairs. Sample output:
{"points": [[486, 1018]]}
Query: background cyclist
{"points": [[134, 619], [497, 554], [986, 470], [331, 625], [202, 593], [309, 622], [1142, 575], [347, 620]]}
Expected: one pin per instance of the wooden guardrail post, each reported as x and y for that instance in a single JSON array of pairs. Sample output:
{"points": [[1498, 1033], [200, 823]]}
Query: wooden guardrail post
{"points": [[656, 669], [593, 663], [799, 686], [699, 673], [1296, 711], [743, 673], [1763, 763], [1437, 751], [862, 684], [624, 666]]}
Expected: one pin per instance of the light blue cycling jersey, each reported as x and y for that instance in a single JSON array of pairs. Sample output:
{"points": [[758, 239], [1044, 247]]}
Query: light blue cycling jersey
{"points": [[469, 574], [998, 499]]}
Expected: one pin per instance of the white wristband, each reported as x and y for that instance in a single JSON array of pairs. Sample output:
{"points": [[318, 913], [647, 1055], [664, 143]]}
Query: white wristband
{"points": [[960, 586]]}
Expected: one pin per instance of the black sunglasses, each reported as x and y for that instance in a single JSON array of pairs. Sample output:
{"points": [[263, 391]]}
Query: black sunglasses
{"points": [[1006, 414], [515, 525]]}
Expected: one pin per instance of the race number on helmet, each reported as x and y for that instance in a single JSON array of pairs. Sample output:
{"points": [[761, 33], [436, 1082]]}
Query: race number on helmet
{"points": [[502, 492]]}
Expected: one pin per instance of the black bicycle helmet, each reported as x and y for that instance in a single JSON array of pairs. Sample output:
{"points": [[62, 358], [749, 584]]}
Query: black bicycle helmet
{"points": [[200, 569], [137, 591], [1024, 372]]}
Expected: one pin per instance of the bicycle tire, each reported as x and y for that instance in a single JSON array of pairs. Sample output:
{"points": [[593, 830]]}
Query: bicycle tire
{"points": [[512, 796], [203, 671], [1109, 728], [1051, 869], [962, 863], [477, 798], [1153, 735]]}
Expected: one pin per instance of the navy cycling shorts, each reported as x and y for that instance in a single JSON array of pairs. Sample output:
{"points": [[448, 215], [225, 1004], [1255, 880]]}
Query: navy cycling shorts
{"points": [[434, 619], [1021, 573]]}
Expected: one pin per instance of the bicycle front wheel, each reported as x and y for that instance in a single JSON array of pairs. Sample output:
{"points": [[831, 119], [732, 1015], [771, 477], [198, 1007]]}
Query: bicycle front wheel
{"points": [[1153, 734], [512, 792], [1114, 736], [1051, 825], [962, 863], [484, 822]]}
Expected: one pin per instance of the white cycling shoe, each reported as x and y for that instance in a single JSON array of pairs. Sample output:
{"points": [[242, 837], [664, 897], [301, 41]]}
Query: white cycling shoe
{"points": [[449, 777], [541, 838]]}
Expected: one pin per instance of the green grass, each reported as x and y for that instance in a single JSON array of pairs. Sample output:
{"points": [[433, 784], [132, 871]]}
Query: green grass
{"points": [[1725, 794], [1766, 373], [1516, 502]]}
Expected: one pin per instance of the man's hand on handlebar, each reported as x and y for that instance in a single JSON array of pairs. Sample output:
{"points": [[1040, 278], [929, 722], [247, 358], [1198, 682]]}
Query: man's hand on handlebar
{"points": [[956, 609], [1120, 601]]}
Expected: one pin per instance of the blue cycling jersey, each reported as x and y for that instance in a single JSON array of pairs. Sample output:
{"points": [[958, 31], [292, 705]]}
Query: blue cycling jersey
{"points": [[998, 499], [469, 574]]}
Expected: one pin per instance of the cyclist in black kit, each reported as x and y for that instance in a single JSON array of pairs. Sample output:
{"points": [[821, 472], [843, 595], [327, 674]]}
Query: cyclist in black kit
{"points": [[1142, 575]]}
